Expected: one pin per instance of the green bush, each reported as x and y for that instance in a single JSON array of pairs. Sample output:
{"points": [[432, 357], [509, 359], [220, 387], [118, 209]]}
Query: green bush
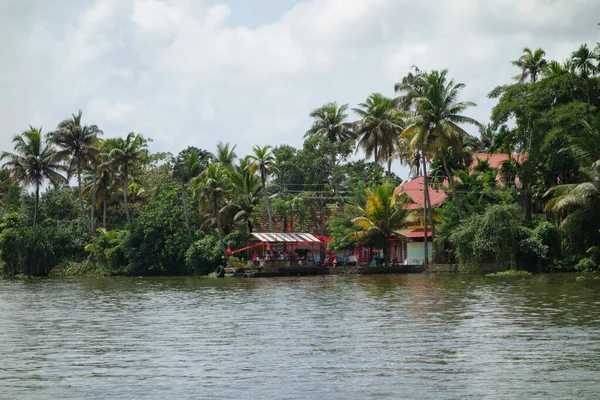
{"points": [[159, 239], [203, 256], [586, 265], [235, 262], [34, 251], [108, 250], [511, 273], [497, 240], [549, 235], [73, 268]]}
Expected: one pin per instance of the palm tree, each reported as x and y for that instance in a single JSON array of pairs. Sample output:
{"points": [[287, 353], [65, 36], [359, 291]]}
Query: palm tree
{"points": [[225, 155], [76, 142], [584, 63], [580, 202], [265, 163], [382, 216], [435, 124], [35, 160], [378, 128], [213, 187], [247, 191], [531, 63], [125, 155], [100, 185], [555, 68], [329, 121], [185, 169]]}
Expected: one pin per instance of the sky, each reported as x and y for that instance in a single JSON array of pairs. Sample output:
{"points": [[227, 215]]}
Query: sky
{"points": [[196, 72]]}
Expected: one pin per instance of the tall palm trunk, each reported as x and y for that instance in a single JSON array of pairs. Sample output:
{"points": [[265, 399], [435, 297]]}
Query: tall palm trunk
{"points": [[104, 224], [36, 205], [386, 256], [125, 190], [267, 203], [218, 220], [452, 185], [249, 225], [185, 211], [376, 152], [83, 219], [425, 208], [93, 206]]}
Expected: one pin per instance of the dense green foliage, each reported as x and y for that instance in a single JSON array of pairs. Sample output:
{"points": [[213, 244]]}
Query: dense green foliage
{"points": [[162, 214]]}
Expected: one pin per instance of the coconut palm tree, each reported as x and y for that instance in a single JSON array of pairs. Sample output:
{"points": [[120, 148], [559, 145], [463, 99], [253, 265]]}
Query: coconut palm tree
{"points": [[435, 124], [78, 143], [125, 155], [186, 168], [100, 184], [225, 155], [378, 128], [555, 68], [213, 187], [34, 161], [580, 202], [531, 63], [329, 121], [382, 217], [584, 62], [265, 163], [247, 191]]}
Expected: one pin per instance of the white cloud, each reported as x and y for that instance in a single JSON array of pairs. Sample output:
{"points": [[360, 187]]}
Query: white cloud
{"points": [[180, 72]]}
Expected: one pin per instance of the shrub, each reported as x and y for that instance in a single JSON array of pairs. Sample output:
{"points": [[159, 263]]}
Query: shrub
{"points": [[511, 273], [203, 256], [72, 268], [586, 265], [109, 251], [34, 251], [498, 240]]}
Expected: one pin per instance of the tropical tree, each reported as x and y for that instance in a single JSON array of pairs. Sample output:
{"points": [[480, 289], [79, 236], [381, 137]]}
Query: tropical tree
{"points": [[187, 167], [329, 121], [225, 155], [247, 191], [532, 63], [382, 217], [378, 128], [34, 161], [99, 185], [555, 68], [584, 63], [127, 154], [579, 203], [213, 187], [265, 163], [77, 143], [436, 122]]}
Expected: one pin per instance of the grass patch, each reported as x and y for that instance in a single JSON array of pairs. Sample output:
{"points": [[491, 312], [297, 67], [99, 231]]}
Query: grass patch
{"points": [[511, 273], [72, 268]]}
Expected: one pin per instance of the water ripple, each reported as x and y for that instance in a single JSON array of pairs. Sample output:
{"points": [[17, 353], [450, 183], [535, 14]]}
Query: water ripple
{"points": [[330, 337]]}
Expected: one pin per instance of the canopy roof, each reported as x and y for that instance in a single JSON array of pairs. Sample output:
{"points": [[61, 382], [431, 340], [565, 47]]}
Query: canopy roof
{"points": [[286, 237]]}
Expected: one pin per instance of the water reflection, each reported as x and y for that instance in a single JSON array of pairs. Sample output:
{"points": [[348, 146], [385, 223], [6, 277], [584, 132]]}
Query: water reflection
{"points": [[448, 336]]}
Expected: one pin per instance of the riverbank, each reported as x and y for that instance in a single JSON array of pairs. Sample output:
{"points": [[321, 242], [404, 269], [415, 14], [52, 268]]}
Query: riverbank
{"points": [[395, 269]]}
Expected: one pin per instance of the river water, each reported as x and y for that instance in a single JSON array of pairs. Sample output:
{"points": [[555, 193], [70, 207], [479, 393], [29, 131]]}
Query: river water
{"points": [[371, 337]]}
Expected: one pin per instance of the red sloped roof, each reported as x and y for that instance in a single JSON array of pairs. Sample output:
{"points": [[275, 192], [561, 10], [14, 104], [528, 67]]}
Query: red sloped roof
{"points": [[417, 233], [495, 160], [414, 189]]}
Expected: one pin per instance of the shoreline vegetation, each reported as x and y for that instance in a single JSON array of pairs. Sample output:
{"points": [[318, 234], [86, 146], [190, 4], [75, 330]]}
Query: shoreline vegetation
{"points": [[132, 212]]}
